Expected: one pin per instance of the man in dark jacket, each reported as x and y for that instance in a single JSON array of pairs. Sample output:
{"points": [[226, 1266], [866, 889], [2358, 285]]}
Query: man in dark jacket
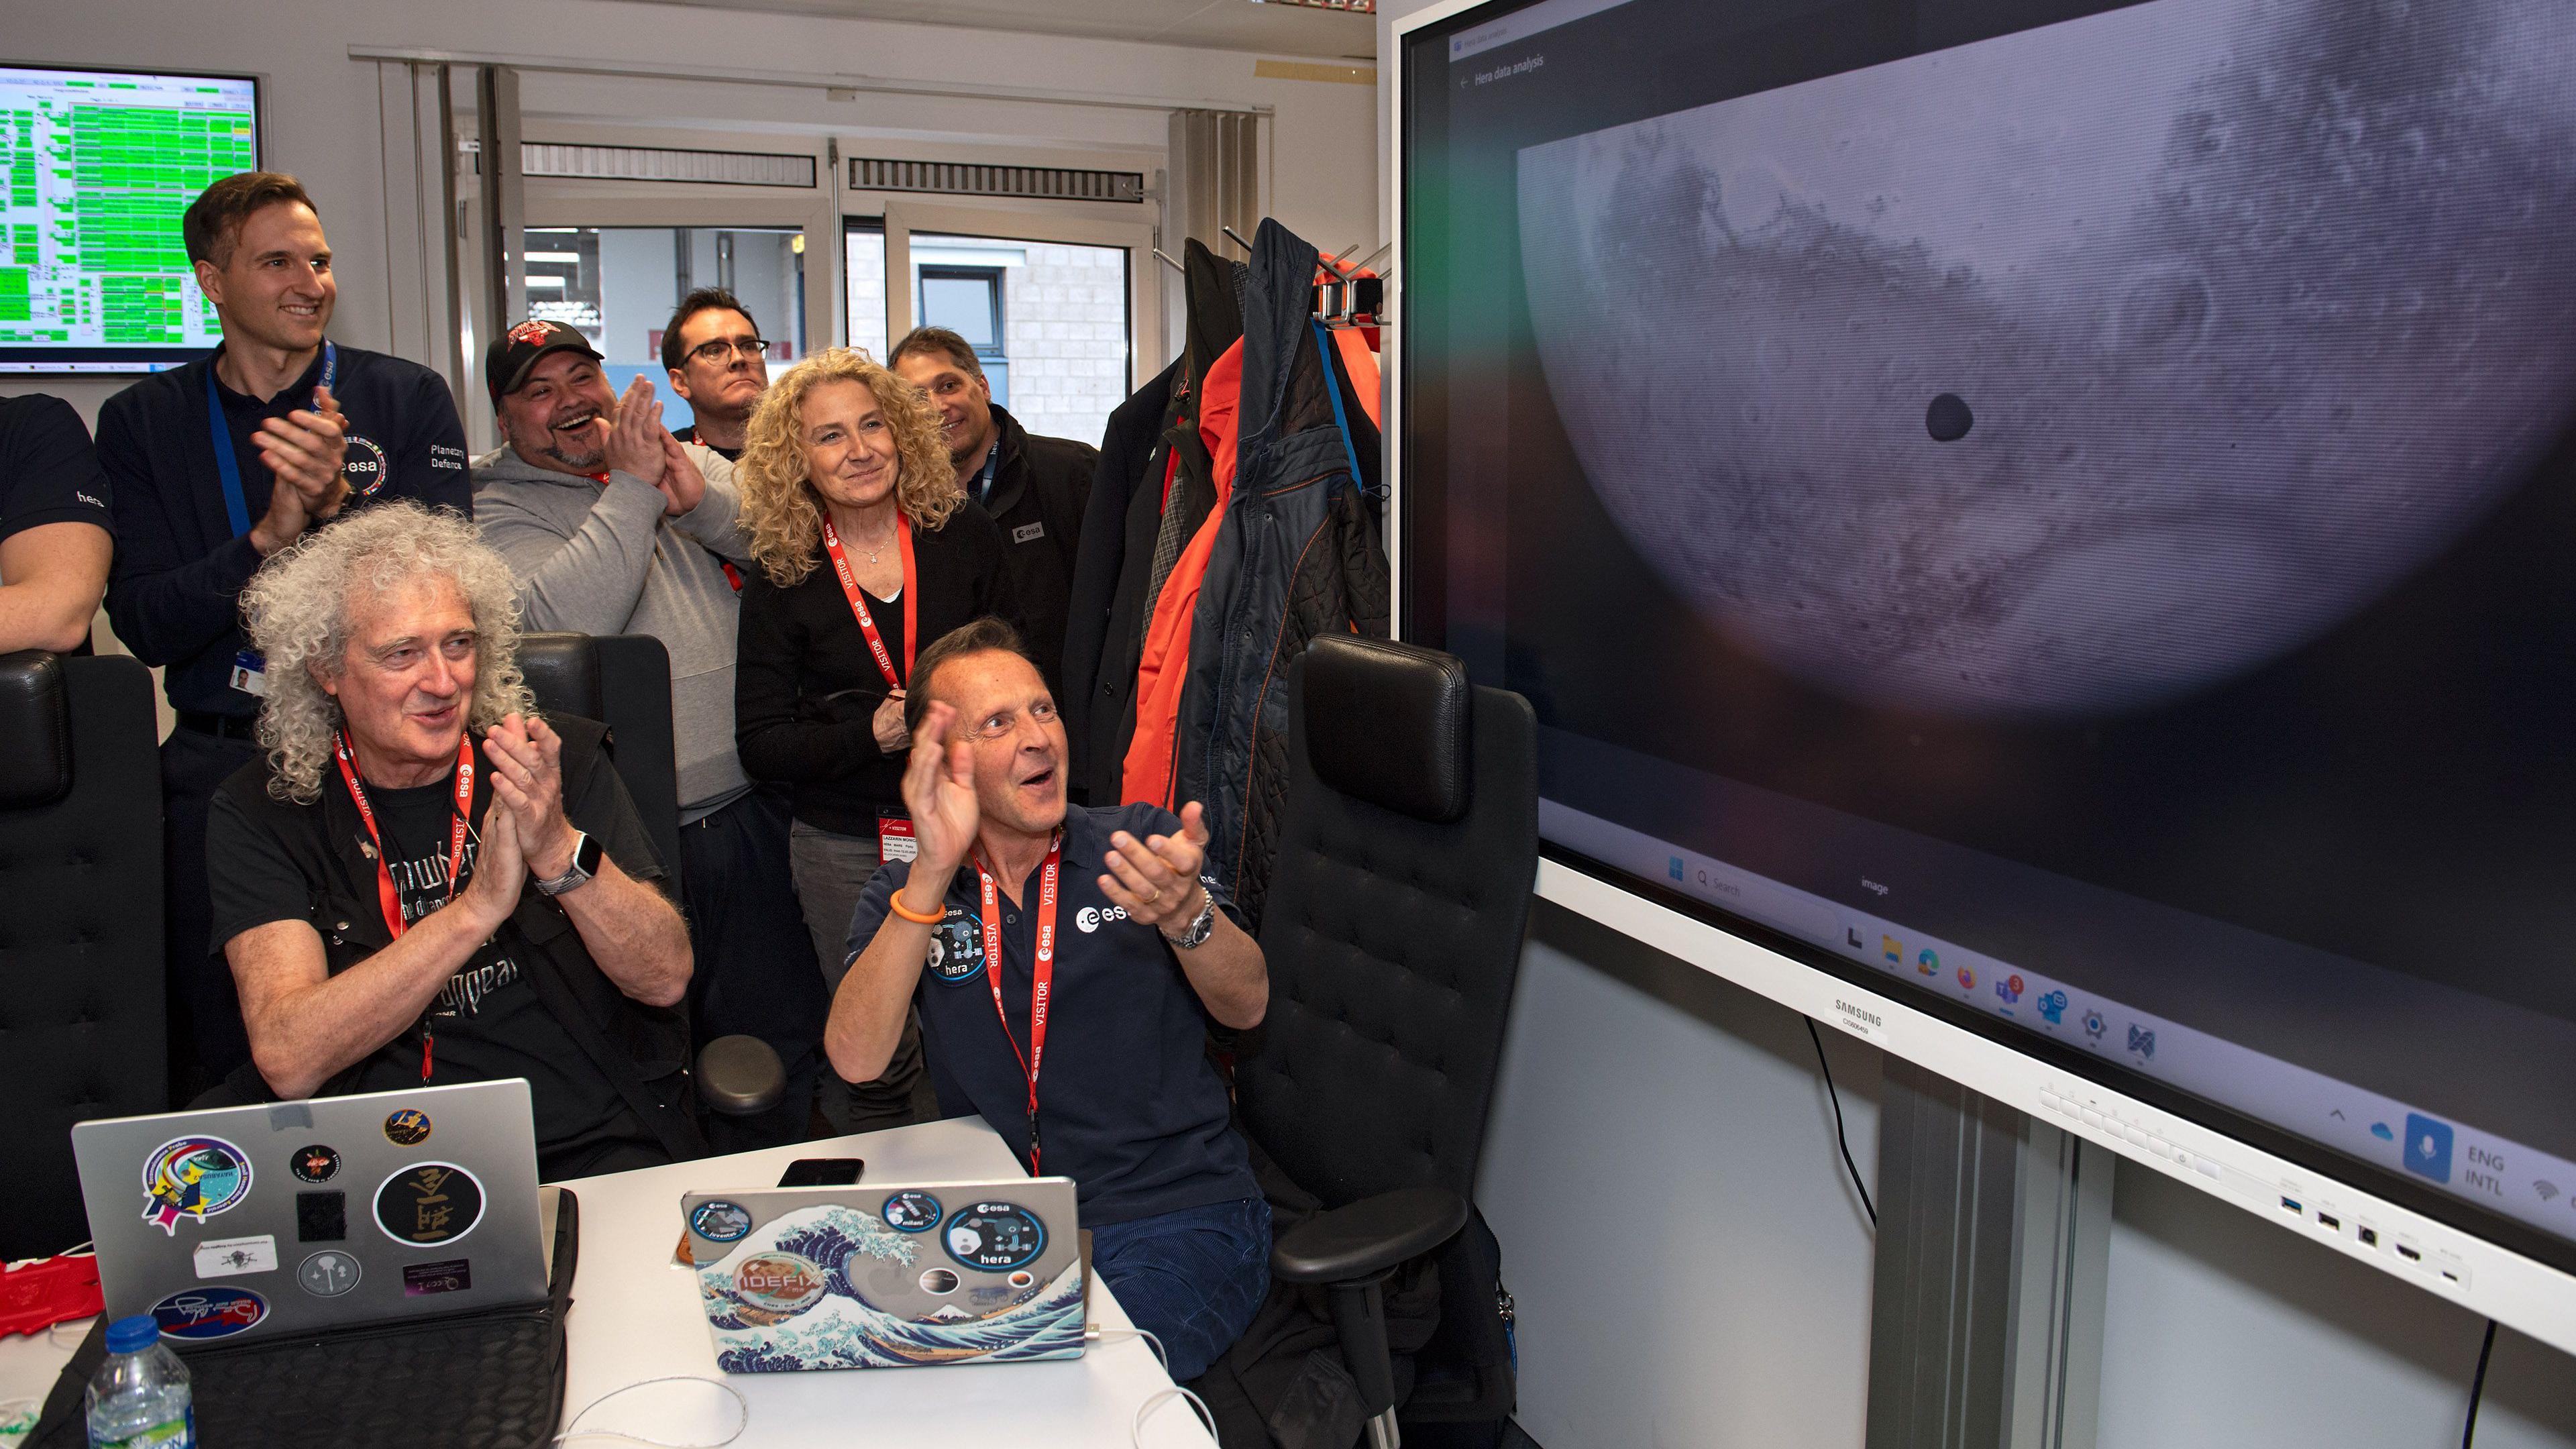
{"points": [[215, 466], [1035, 488]]}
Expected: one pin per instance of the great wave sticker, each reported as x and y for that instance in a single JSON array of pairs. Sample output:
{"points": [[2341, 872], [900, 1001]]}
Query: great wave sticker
{"points": [[830, 1287]]}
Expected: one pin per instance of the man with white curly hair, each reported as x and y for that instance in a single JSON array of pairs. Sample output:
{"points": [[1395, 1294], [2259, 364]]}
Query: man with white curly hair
{"points": [[423, 882]]}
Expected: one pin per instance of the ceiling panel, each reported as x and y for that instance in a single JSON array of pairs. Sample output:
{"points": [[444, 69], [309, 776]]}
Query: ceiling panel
{"points": [[1211, 24]]}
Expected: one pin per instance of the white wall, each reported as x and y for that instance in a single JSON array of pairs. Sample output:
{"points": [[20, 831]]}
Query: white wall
{"points": [[1691, 1265], [322, 108]]}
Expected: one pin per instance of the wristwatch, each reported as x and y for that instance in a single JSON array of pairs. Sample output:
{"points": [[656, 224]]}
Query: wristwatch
{"points": [[585, 864], [1200, 927]]}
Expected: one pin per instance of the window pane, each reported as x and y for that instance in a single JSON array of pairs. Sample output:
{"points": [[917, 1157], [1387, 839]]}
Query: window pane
{"points": [[620, 284], [963, 305], [1063, 356]]}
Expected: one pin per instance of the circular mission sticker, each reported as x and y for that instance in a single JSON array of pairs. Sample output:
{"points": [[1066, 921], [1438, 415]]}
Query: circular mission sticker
{"points": [[193, 1177], [429, 1203]]}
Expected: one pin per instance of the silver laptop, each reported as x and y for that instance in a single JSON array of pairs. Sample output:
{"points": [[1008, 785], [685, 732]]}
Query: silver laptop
{"points": [[249, 1222], [883, 1275]]}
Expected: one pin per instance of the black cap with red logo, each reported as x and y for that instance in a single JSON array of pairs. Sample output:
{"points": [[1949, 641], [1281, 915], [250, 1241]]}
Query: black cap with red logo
{"points": [[515, 353]]}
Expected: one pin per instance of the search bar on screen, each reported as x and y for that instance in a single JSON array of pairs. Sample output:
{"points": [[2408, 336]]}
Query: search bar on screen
{"points": [[1523, 24]]}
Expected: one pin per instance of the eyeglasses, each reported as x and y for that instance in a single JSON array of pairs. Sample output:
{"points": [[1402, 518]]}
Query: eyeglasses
{"points": [[722, 349]]}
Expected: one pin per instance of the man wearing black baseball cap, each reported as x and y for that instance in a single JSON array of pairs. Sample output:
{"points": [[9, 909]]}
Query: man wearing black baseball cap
{"points": [[612, 526]]}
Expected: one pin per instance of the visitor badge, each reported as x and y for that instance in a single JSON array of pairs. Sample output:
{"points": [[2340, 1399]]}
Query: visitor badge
{"points": [[250, 673], [894, 838]]}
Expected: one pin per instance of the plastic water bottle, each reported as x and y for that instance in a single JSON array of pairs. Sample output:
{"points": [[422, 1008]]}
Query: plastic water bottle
{"points": [[139, 1397]]}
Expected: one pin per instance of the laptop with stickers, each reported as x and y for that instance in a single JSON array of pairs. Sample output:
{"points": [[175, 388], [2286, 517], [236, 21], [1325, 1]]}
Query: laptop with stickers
{"points": [[905, 1275], [239, 1223]]}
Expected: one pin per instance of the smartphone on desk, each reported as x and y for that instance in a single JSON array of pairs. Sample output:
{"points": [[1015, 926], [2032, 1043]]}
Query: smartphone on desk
{"points": [[823, 1172]]}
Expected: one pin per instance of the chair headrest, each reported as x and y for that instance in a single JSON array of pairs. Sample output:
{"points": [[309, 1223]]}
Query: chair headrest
{"points": [[563, 672], [35, 718], [1388, 723]]}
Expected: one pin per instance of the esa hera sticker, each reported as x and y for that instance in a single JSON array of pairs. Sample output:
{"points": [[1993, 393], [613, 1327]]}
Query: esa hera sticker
{"points": [[911, 1212], [203, 1313], [407, 1128], [193, 1177], [366, 467], [452, 1276], [956, 948], [720, 1222], [316, 1164], [995, 1235], [429, 1203]]}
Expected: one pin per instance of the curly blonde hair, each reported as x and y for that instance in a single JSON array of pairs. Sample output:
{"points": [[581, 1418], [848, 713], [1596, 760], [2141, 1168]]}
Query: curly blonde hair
{"points": [[299, 607], [780, 509]]}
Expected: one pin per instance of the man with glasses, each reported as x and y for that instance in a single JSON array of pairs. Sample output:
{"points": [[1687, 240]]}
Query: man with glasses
{"points": [[612, 526], [719, 365]]}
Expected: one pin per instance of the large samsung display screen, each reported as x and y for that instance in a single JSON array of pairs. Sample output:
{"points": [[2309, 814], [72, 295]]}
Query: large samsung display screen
{"points": [[2062, 511], [95, 169]]}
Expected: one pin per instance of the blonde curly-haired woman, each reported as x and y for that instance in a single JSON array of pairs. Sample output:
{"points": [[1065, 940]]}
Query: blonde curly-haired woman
{"points": [[867, 552]]}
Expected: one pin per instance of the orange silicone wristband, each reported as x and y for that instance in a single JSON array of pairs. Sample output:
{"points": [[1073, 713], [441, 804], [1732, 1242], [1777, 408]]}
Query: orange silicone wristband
{"points": [[926, 918]]}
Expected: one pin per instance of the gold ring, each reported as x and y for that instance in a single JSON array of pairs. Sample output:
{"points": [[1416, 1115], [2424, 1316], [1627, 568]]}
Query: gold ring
{"points": [[1156, 895]]}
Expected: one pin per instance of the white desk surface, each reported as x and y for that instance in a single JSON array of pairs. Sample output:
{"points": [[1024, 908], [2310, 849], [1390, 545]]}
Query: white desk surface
{"points": [[635, 1316]]}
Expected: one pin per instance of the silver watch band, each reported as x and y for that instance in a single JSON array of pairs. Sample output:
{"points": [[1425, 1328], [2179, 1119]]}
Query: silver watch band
{"points": [[1201, 926]]}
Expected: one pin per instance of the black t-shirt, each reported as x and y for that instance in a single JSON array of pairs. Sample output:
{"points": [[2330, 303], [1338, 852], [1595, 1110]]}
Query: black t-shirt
{"points": [[806, 687], [174, 591], [48, 471], [487, 1023], [1129, 1106]]}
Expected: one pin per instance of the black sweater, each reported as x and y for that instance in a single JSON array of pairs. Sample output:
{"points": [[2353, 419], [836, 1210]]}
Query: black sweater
{"points": [[806, 689]]}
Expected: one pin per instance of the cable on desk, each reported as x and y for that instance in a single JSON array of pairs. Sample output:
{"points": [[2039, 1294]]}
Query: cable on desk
{"points": [[1094, 1333], [2478, 1386], [1839, 1140], [1160, 1397], [572, 1427]]}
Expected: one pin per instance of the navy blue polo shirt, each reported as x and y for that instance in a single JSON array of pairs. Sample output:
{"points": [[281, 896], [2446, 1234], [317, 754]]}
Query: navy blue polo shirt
{"points": [[1129, 1106], [174, 591]]}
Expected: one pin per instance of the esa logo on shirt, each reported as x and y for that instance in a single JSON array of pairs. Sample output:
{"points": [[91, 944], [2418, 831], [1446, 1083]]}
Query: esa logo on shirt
{"points": [[366, 466], [1088, 920], [956, 948]]}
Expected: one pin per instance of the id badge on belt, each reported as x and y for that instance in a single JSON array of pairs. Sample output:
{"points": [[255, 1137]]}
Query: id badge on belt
{"points": [[250, 674], [894, 838]]}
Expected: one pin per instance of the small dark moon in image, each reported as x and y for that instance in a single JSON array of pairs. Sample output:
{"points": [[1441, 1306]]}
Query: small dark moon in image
{"points": [[1948, 419]]}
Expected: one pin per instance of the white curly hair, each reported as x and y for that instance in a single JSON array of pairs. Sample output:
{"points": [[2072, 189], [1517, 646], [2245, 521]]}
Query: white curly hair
{"points": [[298, 608]]}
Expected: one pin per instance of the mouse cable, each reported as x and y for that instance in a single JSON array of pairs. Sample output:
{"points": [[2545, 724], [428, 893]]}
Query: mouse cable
{"points": [[573, 1430], [1839, 1139]]}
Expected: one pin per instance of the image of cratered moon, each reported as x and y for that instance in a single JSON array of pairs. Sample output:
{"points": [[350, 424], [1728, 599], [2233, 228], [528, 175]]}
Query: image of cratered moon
{"points": [[2079, 370]]}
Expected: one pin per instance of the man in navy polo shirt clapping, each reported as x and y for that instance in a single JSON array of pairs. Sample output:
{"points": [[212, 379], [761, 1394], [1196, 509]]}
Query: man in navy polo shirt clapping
{"points": [[215, 466], [1067, 964]]}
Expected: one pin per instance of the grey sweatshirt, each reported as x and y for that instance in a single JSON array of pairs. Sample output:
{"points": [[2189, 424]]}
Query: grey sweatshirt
{"points": [[593, 559]]}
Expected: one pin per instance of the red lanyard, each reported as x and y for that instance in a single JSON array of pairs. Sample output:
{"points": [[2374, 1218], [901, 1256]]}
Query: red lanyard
{"points": [[1042, 972], [859, 601], [386, 896]]}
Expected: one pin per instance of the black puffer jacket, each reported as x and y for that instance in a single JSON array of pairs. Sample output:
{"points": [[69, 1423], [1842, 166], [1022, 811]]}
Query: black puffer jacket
{"points": [[1040, 487]]}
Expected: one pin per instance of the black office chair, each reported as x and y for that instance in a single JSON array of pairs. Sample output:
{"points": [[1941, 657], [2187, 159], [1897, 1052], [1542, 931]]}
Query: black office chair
{"points": [[82, 1030], [624, 681], [1406, 862]]}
